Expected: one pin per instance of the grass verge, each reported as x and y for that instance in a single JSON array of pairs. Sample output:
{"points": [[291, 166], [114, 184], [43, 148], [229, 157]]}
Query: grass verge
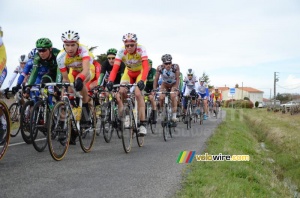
{"points": [[238, 135]]}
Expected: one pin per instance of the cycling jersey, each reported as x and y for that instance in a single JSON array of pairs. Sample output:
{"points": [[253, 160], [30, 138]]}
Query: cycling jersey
{"points": [[42, 67], [17, 71], [65, 62], [181, 81], [150, 79], [189, 85], [136, 65], [26, 71], [202, 90], [168, 76], [106, 69], [216, 96]]}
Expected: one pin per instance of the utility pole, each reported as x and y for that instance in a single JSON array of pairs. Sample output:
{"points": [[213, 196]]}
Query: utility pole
{"points": [[276, 79]]}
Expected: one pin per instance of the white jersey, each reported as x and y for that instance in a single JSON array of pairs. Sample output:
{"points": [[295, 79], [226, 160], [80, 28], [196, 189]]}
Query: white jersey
{"points": [[201, 89], [189, 85], [17, 71]]}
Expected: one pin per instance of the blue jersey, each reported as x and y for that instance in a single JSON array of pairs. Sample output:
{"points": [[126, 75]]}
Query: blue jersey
{"points": [[42, 70]]}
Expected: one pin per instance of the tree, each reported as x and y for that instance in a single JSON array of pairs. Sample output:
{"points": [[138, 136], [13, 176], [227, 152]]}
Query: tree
{"points": [[236, 85], [206, 78], [91, 49], [101, 58]]}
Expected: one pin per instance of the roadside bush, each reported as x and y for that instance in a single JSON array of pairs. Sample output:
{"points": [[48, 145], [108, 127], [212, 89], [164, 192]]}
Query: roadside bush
{"points": [[239, 104], [256, 104]]}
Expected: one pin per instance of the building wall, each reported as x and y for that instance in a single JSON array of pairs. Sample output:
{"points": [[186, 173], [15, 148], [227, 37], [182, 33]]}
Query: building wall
{"points": [[239, 94]]}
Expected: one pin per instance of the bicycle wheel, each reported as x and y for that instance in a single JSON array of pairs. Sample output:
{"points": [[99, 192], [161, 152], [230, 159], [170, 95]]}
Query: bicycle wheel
{"points": [[14, 112], [38, 126], [88, 133], [166, 123], [59, 131], [25, 121], [188, 117], [127, 129], [107, 126], [4, 129]]}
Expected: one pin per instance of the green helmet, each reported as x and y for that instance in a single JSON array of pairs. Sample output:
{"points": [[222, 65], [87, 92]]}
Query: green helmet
{"points": [[149, 61], [43, 43], [111, 51]]}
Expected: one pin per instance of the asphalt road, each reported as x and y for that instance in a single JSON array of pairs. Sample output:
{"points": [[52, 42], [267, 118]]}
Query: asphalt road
{"points": [[107, 171]]}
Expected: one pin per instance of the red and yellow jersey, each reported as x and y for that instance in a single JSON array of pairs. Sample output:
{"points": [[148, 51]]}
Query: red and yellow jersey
{"points": [[66, 62], [216, 96], [133, 62]]}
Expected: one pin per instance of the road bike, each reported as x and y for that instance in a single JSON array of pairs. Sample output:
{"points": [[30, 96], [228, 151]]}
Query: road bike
{"points": [[130, 120], [66, 117], [5, 124]]}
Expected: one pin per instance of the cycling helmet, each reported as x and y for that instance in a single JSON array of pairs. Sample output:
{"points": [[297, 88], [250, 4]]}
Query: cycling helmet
{"points": [[149, 61], [23, 59], [111, 51], [190, 72], [167, 58], [32, 53], [201, 80], [43, 43], [70, 37], [129, 37], [216, 88]]}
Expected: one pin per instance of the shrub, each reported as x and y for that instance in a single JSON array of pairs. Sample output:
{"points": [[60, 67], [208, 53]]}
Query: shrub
{"points": [[256, 104]]}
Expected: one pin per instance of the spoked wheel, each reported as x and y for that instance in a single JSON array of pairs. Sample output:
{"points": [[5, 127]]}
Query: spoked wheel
{"points": [[25, 121], [140, 140], [59, 131], [188, 118], [107, 125], [4, 129], [88, 133], [38, 127], [166, 131], [107, 129], [14, 112], [127, 129]]}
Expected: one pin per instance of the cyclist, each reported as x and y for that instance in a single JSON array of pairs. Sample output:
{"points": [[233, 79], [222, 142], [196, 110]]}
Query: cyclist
{"points": [[149, 88], [136, 60], [216, 98], [170, 81], [203, 92], [76, 64], [107, 66], [189, 85], [19, 69], [44, 68]]}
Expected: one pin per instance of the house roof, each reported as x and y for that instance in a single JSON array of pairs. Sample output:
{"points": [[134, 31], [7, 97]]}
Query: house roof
{"points": [[250, 89]]}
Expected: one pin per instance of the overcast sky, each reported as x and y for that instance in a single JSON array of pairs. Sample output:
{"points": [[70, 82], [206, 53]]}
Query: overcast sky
{"points": [[233, 41]]}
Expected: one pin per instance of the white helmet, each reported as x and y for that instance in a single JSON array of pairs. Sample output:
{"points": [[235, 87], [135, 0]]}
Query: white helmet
{"points": [[70, 37], [201, 79], [32, 53], [216, 87], [129, 37], [190, 72], [23, 59]]}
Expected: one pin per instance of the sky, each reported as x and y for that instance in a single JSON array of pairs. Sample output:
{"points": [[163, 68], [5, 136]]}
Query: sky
{"points": [[234, 41]]}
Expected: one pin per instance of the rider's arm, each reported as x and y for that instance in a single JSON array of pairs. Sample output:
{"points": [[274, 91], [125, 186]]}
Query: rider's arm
{"points": [[25, 72], [114, 70], [155, 81], [177, 74], [102, 74], [11, 81], [33, 75], [145, 68], [86, 68]]}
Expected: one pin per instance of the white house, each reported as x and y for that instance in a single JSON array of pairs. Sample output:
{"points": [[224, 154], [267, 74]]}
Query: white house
{"points": [[241, 92]]}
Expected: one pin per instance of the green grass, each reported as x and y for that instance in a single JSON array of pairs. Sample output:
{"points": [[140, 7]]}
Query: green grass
{"points": [[254, 178]]}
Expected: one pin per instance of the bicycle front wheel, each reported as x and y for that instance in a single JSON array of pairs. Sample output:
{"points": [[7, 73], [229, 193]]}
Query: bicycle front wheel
{"points": [[25, 121], [14, 112], [4, 129], [88, 133], [38, 127], [59, 131], [127, 129]]}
